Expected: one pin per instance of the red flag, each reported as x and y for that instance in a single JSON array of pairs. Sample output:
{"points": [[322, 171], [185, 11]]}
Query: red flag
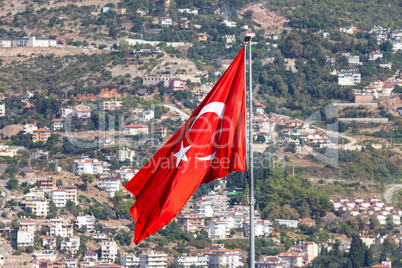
{"points": [[208, 146]]}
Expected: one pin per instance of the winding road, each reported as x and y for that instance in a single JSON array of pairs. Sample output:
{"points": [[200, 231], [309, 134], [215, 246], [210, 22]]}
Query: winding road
{"points": [[180, 112], [390, 191]]}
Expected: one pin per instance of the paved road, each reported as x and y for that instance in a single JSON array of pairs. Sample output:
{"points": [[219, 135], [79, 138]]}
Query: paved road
{"points": [[7, 197], [180, 112], [352, 141], [390, 191]]}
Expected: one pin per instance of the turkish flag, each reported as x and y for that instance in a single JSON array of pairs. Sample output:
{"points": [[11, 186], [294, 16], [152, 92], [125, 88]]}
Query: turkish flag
{"points": [[208, 146]]}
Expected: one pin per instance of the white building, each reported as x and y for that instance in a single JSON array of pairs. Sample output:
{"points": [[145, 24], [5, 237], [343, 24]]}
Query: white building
{"points": [[218, 229], [110, 185], [124, 173], [34, 41], [39, 207], [308, 248], [29, 129], [292, 258], [229, 23], [89, 166], [25, 239], [188, 11], [71, 192], [165, 21], [71, 244], [261, 228], [125, 154], [58, 227], [130, 261], [86, 220], [375, 55], [354, 60], [59, 197], [188, 261], [288, 223], [147, 115], [153, 260], [224, 257], [349, 78], [109, 251]]}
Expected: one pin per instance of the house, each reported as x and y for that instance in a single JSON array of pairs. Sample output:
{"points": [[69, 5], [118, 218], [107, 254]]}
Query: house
{"points": [[84, 113], [135, 129], [308, 222], [247, 34], [110, 185], [375, 55], [349, 78], [90, 255], [161, 130], [57, 126], [153, 259], [230, 258], [177, 84], [218, 12], [147, 115], [28, 107], [105, 9], [121, 11], [165, 21], [66, 112], [124, 173], [89, 166], [288, 223], [228, 23], [109, 250], [229, 39], [354, 60], [202, 37], [308, 249], [190, 222], [188, 11], [269, 262], [41, 135], [329, 61]]}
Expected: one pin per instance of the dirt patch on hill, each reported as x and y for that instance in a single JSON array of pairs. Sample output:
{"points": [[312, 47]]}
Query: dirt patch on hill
{"points": [[11, 130], [265, 18]]}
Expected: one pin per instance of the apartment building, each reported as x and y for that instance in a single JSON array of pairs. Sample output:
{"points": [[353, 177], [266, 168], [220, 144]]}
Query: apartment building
{"points": [[89, 166], [154, 79], [125, 154], [110, 185], [59, 227], [309, 249], [39, 207], [28, 225], [41, 135], [71, 244], [109, 250], [130, 261], [47, 184], [86, 220], [218, 229], [224, 257], [71, 192], [25, 239], [165, 21], [190, 222], [292, 258], [153, 260], [111, 105], [58, 197], [195, 260], [48, 240], [349, 78], [375, 55]]}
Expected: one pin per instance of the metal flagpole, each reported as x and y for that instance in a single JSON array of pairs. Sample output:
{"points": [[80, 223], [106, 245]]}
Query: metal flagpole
{"points": [[251, 166]]}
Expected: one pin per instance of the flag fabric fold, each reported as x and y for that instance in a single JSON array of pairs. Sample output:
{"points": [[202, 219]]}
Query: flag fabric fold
{"points": [[208, 146]]}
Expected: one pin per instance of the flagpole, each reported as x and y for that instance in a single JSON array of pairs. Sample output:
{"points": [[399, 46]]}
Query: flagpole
{"points": [[251, 166]]}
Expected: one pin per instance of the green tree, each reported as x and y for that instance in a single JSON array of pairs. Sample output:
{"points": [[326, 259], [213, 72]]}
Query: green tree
{"points": [[87, 179], [357, 251], [12, 184]]}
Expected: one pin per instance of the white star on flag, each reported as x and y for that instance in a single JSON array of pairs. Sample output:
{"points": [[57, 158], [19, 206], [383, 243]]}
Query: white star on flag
{"points": [[181, 155]]}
